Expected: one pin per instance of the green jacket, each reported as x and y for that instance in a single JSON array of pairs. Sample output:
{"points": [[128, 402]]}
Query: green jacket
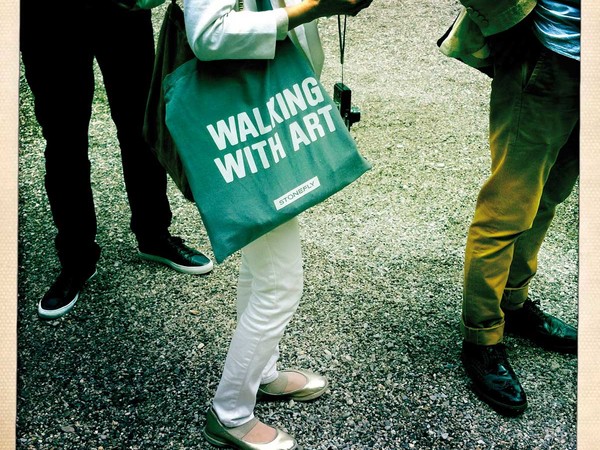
{"points": [[465, 40]]}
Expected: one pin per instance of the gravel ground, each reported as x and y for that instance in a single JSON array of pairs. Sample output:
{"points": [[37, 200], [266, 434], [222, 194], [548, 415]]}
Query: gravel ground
{"points": [[135, 364]]}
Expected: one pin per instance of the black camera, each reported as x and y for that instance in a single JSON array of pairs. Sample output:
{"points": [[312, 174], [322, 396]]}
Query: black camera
{"points": [[342, 97]]}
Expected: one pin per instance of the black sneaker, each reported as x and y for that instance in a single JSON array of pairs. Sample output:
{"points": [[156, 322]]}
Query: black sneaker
{"points": [[63, 294], [493, 378], [174, 253], [545, 330]]}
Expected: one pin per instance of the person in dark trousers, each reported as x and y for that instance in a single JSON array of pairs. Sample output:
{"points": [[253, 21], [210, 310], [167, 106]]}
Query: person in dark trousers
{"points": [[58, 48], [534, 142]]}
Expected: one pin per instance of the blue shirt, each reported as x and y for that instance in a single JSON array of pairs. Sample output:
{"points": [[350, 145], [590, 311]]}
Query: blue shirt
{"points": [[557, 24]]}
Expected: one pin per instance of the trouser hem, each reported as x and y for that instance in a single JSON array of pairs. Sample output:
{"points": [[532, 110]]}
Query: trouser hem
{"points": [[270, 378], [483, 336]]}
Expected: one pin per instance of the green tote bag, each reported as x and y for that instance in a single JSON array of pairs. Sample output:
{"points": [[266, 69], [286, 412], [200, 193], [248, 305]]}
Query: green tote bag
{"points": [[260, 142]]}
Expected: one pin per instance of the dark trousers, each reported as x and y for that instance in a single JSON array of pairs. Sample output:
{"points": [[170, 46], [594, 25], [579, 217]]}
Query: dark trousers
{"points": [[58, 52]]}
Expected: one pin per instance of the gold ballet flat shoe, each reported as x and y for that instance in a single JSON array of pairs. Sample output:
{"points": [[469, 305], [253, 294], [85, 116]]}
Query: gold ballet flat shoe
{"points": [[315, 387], [221, 436]]}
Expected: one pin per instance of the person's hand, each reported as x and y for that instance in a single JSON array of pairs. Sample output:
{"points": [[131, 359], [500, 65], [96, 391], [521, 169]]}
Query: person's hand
{"points": [[309, 10], [325, 8]]}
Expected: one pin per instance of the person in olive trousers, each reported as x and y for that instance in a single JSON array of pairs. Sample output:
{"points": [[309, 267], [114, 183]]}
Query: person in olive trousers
{"points": [[534, 141], [58, 48]]}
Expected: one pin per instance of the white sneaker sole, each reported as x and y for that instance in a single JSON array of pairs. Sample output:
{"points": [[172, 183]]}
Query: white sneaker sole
{"points": [[56, 313], [194, 270]]}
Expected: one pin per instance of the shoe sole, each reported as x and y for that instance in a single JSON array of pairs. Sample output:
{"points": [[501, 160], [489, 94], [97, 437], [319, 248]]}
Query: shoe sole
{"points": [[194, 270], [309, 398], [546, 346], [216, 441], [56, 313], [568, 350], [554, 348], [502, 408]]}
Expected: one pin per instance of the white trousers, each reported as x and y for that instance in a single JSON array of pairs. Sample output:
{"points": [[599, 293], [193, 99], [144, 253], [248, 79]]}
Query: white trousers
{"points": [[269, 290]]}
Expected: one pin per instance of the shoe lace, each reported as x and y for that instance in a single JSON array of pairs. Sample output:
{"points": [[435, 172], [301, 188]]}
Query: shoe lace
{"points": [[175, 240], [177, 244], [495, 353]]}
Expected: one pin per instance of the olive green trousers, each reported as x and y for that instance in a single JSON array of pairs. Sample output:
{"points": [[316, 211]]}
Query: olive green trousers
{"points": [[534, 143]]}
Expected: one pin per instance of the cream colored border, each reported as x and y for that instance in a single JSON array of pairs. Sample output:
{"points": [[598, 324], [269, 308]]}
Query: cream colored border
{"points": [[589, 311], [9, 85], [589, 244]]}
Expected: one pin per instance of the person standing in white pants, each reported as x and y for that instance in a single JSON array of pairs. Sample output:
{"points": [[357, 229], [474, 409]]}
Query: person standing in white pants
{"points": [[271, 277], [269, 291]]}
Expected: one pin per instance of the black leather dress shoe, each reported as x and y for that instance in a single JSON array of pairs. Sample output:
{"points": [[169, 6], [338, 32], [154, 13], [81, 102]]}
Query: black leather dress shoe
{"points": [[174, 253], [63, 294], [545, 330], [493, 378]]}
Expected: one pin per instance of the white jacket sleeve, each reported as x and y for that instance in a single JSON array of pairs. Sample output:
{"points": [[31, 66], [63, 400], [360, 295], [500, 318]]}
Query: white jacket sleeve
{"points": [[216, 30]]}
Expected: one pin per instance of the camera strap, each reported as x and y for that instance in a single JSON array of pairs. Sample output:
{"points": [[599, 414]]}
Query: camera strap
{"points": [[342, 39]]}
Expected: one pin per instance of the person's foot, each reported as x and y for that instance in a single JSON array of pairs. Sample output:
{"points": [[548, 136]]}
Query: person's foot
{"points": [[63, 294], [295, 384], [545, 330], [172, 252], [493, 378], [253, 435]]}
